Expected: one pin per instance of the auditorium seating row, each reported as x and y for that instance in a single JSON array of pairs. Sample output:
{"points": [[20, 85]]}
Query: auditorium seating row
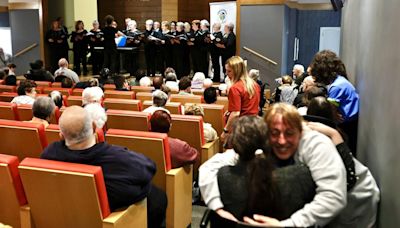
{"points": [[48, 184]]}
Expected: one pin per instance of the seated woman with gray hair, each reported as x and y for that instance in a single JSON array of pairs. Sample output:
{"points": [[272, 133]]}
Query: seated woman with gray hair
{"points": [[159, 101], [209, 132], [92, 95], [43, 109]]}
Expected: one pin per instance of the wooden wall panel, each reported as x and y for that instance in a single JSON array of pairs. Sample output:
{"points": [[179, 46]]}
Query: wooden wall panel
{"points": [[139, 10], [189, 10]]}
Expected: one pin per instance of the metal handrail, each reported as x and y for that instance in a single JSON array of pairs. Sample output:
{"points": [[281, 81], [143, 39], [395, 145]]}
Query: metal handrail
{"points": [[260, 56], [25, 50]]}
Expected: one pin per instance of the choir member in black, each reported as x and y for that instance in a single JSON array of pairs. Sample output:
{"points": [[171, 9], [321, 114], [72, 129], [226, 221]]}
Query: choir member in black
{"points": [[216, 51], [96, 40], [55, 37], [178, 42], [110, 47], [205, 41], [166, 46], [157, 33], [194, 44], [149, 49], [229, 43], [134, 38], [65, 47], [80, 47], [173, 26], [186, 58], [127, 20]]}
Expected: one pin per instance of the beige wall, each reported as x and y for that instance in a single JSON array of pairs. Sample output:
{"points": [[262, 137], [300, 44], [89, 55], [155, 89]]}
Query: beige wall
{"points": [[85, 10], [370, 50]]}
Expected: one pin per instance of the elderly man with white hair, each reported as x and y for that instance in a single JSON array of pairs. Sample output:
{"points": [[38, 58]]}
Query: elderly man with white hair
{"points": [[298, 73], [145, 82], [64, 71], [127, 174], [92, 95], [159, 101]]}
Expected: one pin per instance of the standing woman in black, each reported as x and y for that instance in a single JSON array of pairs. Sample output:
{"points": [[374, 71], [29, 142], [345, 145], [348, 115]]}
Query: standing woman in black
{"points": [[178, 48], [229, 44], [166, 45], [55, 38], [80, 47], [96, 40], [110, 47]]}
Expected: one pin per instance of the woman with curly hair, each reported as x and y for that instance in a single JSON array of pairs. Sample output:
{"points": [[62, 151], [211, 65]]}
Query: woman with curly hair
{"points": [[327, 68]]}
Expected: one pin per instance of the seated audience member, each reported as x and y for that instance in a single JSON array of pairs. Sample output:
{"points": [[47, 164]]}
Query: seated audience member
{"points": [[66, 83], [97, 114], [253, 185], [158, 81], [207, 83], [307, 83], [38, 73], [198, 80], [298, 74], [291, 143], [255, 75], [127, 174], [93, 82], [26, 93], [181, 152], [166, 89], [287, 92], [92, 95], [57, 98], [169, 70], [11, 68], [10, 80], [145, 81], [121, 84], [64, 71], [209, 132], [171, 81], [159, 100], [43, 109], [210, 95], [312, 91], [184, 86], [328, 69]]}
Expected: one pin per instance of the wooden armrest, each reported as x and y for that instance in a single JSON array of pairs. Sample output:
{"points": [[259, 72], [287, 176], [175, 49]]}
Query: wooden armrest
{"points": [[26, 218], [179, 193], [209, 149], [134, 216]]}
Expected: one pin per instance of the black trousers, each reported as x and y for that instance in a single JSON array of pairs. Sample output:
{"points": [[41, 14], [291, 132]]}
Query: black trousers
{"points": [[150, 56], [56, 53], [195, 54], [350, 128], [203, 61], [111, 59], [97, 61], [156, 207], [80, 57], [215, 55], [178, 55]]}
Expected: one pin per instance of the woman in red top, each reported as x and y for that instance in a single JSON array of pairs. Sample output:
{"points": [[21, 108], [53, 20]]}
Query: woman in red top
{"points": [[244, 94]]}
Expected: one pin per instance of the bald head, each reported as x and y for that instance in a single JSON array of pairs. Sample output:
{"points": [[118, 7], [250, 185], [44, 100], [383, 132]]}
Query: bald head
{"points": [[76, 125], [63, 63]]}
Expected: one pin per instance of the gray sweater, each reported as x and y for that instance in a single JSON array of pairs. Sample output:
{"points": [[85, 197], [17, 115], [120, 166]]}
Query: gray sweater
{"points": [[327, 170]]}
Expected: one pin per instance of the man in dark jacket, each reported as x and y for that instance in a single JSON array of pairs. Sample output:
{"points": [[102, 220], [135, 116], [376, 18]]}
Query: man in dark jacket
{"points": [[127, 174]]}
